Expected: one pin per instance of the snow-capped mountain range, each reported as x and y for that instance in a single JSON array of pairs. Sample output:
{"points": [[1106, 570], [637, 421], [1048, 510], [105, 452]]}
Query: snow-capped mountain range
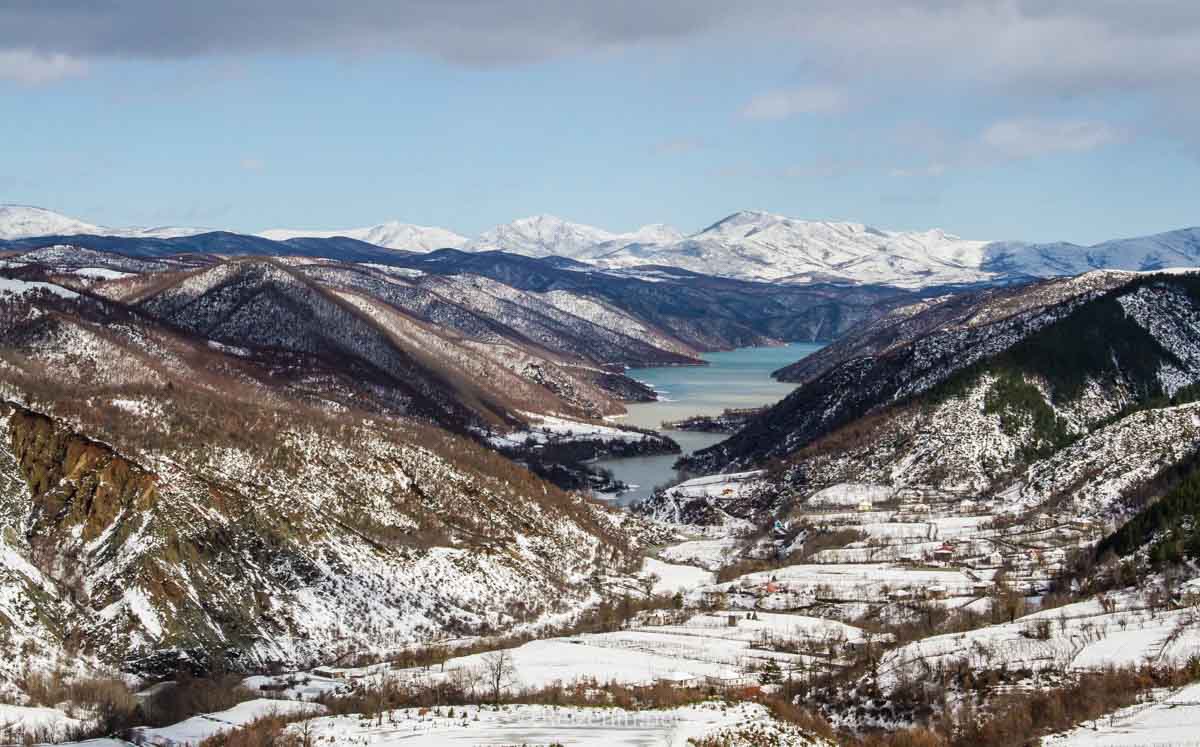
{"points": [[391, 235], [25, 221], [748, 245], [545, 236]]}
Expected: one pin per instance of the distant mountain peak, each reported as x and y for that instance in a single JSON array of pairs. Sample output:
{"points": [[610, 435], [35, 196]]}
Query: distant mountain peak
{"points": [[542, 236], [24, 221], [544, 219], [29, 221], [392, 234], [742, 218]]}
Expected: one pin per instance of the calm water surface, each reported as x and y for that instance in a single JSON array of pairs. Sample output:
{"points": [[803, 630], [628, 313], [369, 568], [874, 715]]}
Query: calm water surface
{"points": [[738, 378]]}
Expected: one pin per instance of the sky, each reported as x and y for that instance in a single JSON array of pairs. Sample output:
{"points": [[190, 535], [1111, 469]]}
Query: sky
{"points": [[1050, 120]]}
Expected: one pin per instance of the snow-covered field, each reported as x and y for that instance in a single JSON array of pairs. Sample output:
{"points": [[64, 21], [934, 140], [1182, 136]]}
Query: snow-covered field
{"points": [[851, 494], [196, 729], [730, 485], [795, 627], [100, 273], [706, 553], [16, 720], [302, 686], [1172, 720], [536, 724], [673, 577], [628, 658], [547, 428], [17, 287], [673, 646], [1080, 636]]}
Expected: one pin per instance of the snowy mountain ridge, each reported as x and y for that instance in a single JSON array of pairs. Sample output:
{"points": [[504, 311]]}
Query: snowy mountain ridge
{"points": [[390, 235], [764, 246], [548, 235], [26, 221], [747, 245]]}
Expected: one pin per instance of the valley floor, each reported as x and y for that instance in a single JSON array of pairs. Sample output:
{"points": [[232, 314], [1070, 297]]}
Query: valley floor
{"points": [[732, 621]]}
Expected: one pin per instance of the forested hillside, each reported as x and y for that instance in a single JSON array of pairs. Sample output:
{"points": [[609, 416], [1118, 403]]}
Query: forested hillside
{"points": [[1075, 388]]}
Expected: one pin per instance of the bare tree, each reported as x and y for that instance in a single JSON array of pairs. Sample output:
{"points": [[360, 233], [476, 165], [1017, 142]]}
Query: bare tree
{"points": [[305, 732], [499, 672], [648, 583], [466, 679]]}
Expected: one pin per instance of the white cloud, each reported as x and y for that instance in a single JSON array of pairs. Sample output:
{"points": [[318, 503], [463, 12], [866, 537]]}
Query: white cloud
{"points": [[1029, 138], [253, 164], [33, 68], [785, 103], [936, 152]]}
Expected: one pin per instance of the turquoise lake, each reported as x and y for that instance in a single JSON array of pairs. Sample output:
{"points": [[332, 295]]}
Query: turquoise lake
{"points": [[733, 379]]}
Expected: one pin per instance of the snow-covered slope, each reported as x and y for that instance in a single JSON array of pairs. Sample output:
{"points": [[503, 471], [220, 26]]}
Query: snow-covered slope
{"points": [[1179, 248], [1168, 718], [541, 236], [23, 221], [1073, 390], [710, 723], [756, 245], [1080, 636], [546, 235], [174, 496], [764, 246], [392, 235]]}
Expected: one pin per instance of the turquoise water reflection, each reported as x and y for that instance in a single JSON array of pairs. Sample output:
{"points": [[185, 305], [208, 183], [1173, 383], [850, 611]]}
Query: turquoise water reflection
{"points": [[733, 379]]}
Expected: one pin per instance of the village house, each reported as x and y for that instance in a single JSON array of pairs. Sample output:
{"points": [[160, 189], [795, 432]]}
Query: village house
{"points": [[1054, 556]]}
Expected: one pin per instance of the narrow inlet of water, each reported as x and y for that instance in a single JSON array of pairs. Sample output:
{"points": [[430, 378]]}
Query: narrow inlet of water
{"points": [[734, 379]]}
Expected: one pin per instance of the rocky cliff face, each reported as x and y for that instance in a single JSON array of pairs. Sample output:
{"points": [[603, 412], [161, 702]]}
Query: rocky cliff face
{"points": [[80, 487], [342, 542]]}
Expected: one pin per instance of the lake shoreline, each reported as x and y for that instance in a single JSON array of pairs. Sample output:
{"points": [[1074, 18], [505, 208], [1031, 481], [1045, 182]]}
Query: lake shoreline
{"points": [[735, 380]]}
